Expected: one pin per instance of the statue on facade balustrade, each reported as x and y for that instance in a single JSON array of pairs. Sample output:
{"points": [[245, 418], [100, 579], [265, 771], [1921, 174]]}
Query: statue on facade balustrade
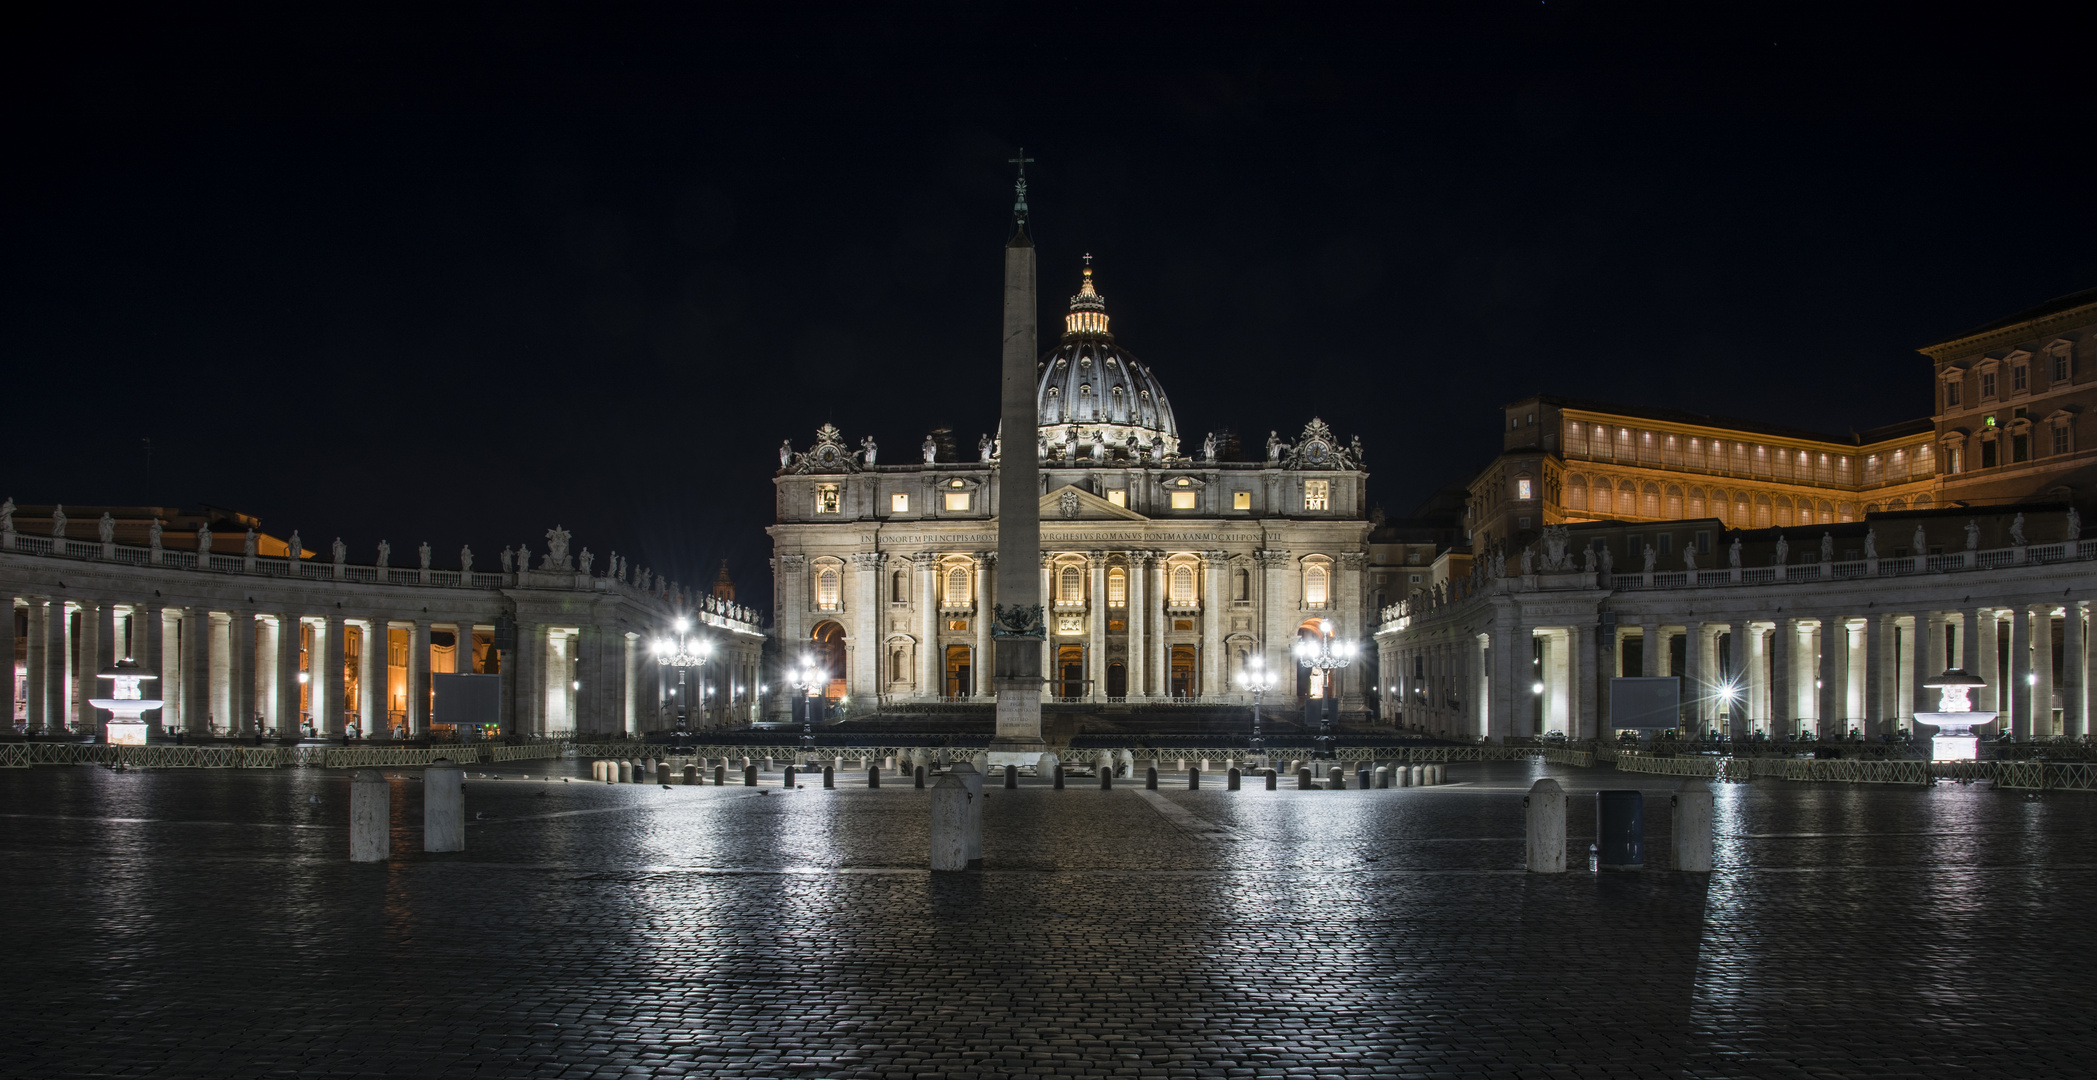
{"points": [[341, 552], [868, 451], [1528, 561], [1689, 559], [1783, 550], [7, 515], [786, 452], [1557, 559], [930, 449], [983, 449], [1733, 553], [152, 535], [1921, 542], [584, 560], [106, 528], [508, 560], [385, 554], [1871, 543], [1587, 561], [1274, 446], [422, 555], [297, 551], [2017, 530], [1972, 535], [1827, 547], [465, 560], [204, 545], [1608, 558], [556, 550], [1650, 557], [58, 520], [2074, 524]]}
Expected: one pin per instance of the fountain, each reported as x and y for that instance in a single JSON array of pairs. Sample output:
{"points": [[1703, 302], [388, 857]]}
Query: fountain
{"points": [[1955, 718], [127, 702]]}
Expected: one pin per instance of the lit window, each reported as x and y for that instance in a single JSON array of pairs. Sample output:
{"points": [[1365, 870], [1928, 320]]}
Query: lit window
{"points": [[899, 503], [1522, 489], [1241, 500], [1072, 589], [1317, 494], [1118, 496], [1183, 500], [957, 500], [957, 587], [1117, 588], [1183, 586], [826, 498], [1314, 587], [826, 589]]}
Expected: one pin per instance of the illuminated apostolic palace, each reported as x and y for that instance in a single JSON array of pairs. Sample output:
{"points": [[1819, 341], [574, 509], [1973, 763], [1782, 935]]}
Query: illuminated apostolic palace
{"points": [[1164, 567]]}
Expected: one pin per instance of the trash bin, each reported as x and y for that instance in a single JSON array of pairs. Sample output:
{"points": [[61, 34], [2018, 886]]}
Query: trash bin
{"points": [[1620, 829]]}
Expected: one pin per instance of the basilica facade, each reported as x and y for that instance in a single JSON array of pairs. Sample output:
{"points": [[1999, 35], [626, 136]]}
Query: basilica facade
{"points": [[1165, 570]]}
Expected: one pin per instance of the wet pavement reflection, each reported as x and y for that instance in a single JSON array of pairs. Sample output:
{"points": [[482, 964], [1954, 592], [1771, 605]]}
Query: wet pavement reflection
{"points": [[209, 923]]}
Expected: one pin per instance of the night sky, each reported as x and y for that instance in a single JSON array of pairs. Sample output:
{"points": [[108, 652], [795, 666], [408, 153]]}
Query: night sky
{"points": [[462, 272]]}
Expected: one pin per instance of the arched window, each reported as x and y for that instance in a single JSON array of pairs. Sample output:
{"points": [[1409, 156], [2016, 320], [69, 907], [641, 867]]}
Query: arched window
{"points": [[1741, 515], [1696, 502], [1896, 504], [957, 587], [898, 588], [1314, 582], [1071, 589], [1763, 510], [827, 589], [1673, 507], [1576, 490], [1649, 501], [1052, 414], [1924, 502], [1847, 512], [1117, 588], [1826, 510], [1183, 586], [1783, 512]]}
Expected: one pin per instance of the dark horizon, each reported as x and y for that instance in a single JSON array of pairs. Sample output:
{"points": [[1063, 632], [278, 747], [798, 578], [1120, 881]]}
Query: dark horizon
{"points": [[625, 254]]}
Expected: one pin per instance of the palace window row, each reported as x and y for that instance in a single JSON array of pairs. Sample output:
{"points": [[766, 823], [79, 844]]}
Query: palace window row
{"points": [[1668, 450]]}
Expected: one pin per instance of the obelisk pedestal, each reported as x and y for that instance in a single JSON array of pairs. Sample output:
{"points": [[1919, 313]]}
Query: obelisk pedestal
{"points": [[1018, 628]]}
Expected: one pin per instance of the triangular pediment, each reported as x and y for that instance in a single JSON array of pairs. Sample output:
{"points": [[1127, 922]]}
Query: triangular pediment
{"points": [[1071, 503]]}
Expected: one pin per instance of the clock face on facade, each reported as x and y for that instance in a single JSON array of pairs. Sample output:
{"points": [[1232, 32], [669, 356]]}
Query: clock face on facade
{"points": [[1315, 451]]}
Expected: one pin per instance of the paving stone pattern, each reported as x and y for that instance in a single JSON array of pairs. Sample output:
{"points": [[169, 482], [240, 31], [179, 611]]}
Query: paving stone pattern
{"points": [[209, 923]]}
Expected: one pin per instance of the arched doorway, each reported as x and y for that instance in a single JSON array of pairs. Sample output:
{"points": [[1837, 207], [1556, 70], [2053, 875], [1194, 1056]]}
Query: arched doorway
{"points": [[1117, 680], [1311, 685], [1070, 672], [826, 649], [959, 672]]}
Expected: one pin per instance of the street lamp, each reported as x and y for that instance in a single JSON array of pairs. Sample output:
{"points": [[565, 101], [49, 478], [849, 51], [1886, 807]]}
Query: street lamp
{"points": [[1255, 677], [683, 654], [1322, 655], [805, 679]]}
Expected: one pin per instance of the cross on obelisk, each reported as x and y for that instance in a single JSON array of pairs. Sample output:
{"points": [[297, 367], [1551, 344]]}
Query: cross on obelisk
{"points": [[1019, 631]]}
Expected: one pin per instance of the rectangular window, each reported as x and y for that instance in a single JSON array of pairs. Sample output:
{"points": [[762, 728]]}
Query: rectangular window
{"points": [[899, 503], [1118, 496], [1317, 494], [826, 499], [1183, 500], [1241, 500], [1987, 453], [958, 500], [1523, 490], [2060, 367], [1951, 395], [1413, 578], [1634, 547], [1703, 543], [2020, 447], [1521, 523], [957, 624], [1987, 385], [2020, 378], [1667, 543], [2060, 438]]}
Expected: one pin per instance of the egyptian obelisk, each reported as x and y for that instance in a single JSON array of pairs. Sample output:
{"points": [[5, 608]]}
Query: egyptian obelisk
{"points": [[1019, 629]]}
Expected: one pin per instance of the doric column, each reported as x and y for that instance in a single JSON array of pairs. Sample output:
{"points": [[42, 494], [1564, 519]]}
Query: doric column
{"points": [[1651, 650], [328, 715], [1586, 688], [556, 686], [979, 665], [1980, 651], [7, 651], [1696, 695], [196, 669], [2017, 688], [1212, 571], [93, 636], [1783, 701], [40, 626], [2074, 679], [2041, 682], [1879, 687], [419, 676], [373, 673], [1834, 675], [531, 680], [284, 716], [1138, 624], [1096, 624], [240, 672], [147, 642], [1737, 639], [931, 665], [863, 651]]}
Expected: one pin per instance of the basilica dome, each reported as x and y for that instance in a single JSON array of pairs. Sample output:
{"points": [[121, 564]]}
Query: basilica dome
{"points": [[1093, 392]]}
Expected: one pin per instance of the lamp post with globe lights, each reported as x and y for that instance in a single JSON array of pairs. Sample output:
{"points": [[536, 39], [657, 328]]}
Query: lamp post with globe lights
{"points": [[1321, 655], [806, 678], [1255, 677], [684, 654]]}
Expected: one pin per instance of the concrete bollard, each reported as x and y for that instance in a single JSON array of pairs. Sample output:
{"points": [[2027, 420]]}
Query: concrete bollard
{"points": [[1545, 806], [1303, 779], [371, 817], [829, 776], [1419, 776], [1361, 779], [721, 774], [966, 772], [444, 806], [1011, 776], [1106, 776], [625, 775], [873, 776], [1150, 778], [662, 773], [1336, 780], [749, 776], [920, 771], [1047, 765], [1437, 775], [691, 775], [768, 763], [1193, 779], [1694, 818], [1059, 776], [952, 807], [1404, 777], [1230, 780], [1272, 780], [1383, 777], [786, 779]]}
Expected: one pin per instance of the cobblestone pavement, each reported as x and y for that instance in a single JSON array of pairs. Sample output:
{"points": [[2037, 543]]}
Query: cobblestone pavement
{"points": [[209, 924]]}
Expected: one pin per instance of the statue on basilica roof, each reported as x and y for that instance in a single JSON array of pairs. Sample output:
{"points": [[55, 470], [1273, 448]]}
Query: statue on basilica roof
{"points": [[423, 553], [204, 546], [58, 520], [385, 553], [465, 559], [106, 528]]}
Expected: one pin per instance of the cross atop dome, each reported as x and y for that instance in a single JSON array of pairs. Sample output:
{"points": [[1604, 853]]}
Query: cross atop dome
{"points": [[1088, 309]]}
